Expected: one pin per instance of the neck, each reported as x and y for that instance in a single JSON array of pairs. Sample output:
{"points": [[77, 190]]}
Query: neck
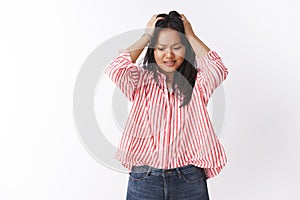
{"points": [[169, 76], [170, 79]]}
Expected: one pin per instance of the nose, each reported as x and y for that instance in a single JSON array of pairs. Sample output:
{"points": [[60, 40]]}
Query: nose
{"points": [[169, 53]]}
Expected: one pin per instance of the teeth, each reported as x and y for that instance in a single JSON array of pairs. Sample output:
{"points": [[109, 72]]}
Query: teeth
{"points": [[171, 62]]}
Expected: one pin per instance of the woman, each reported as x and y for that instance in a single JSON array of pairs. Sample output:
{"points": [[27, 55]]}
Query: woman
{"points": [[168, 144]]}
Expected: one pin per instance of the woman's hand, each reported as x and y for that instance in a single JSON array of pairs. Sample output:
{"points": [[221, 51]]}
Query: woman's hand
{"points": [[151, 24], [198, 46], [187, 27], [136, 48]]}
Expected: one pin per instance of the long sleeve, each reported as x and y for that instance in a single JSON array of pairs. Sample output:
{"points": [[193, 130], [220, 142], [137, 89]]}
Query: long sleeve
{"points": [[211, 73], [170, 136], [125, 74]]}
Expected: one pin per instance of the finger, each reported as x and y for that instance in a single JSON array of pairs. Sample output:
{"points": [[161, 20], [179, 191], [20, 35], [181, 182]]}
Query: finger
{"points": [[183, 18], [154, 16], [159, 18]]}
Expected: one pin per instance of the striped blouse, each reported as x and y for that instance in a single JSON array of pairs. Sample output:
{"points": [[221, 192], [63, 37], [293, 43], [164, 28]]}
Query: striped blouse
{"points": [[158, 132]]}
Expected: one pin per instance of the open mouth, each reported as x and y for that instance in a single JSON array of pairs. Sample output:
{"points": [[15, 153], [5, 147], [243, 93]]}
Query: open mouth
{"points": [[170, 63]]}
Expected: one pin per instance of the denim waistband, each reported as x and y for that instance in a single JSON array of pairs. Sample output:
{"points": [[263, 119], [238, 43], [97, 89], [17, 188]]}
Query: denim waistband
{"points": [[165, 172]]}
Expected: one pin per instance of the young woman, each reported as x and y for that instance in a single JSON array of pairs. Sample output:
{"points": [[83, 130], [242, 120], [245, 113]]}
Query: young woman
{"points": [[168, 144]]}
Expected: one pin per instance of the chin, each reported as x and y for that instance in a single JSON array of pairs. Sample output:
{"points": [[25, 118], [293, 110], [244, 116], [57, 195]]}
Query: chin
{"points": [[168, 70]]}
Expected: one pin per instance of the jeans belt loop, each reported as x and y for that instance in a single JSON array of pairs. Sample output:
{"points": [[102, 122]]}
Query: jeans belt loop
{"points": [[148, 172], [179, 172]]}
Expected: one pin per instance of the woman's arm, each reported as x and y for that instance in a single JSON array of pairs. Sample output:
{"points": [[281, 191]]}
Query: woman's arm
{"points": [[198, 46], [136, 48], [212, 71]]}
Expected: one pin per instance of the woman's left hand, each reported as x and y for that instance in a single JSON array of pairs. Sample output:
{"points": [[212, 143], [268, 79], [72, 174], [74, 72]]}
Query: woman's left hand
{"points": [[187, 26]]}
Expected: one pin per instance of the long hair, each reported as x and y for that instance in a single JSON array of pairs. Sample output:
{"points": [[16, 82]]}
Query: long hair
{"points": [[185, 75]]}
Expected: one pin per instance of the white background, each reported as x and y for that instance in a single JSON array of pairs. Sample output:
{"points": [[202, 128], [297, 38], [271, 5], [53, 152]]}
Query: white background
{"points": [[44, 43]]}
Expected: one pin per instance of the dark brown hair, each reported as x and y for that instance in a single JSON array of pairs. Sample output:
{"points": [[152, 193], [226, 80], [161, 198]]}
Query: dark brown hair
{"points": [[186, 76]]}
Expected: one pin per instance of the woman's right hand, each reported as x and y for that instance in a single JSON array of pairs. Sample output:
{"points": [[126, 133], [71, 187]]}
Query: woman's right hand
{"points": [[136, 48], [151, 24]]}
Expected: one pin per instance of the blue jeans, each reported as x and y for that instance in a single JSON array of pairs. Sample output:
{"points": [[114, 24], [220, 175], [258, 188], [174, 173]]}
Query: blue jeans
{"points": [[182, 183]]}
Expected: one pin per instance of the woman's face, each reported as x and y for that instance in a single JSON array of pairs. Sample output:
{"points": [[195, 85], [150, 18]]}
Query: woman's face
{"points": [[169, 51]]}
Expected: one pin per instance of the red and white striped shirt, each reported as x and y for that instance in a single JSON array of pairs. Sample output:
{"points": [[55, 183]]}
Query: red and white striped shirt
{"points": [[160, 134]]}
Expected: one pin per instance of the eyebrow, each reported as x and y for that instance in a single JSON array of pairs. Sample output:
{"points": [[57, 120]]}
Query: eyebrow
{"points": [[171, 45]]}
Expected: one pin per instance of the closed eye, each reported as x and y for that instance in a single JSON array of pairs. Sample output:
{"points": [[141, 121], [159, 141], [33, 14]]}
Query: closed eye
{"points": [[177, 48]]}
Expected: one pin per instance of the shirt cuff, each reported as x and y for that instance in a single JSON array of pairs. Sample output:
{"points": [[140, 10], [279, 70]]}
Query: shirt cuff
{"points": [[125, 54], [212, 55]]}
